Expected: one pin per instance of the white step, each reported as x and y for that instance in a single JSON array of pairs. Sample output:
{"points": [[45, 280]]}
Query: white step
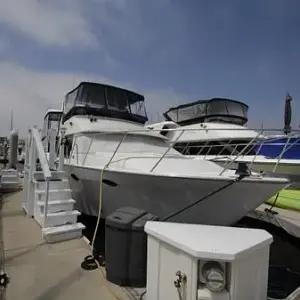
{"points": [[8, 172], [60, 218], [63, 233], [61, 194], [10, 186], [38, 175], [53, 184], [9, 179], [57, 205]]}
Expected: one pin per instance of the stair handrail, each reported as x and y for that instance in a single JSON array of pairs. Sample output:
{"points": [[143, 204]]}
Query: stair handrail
{"points": [[41, 153], [37, 142]]}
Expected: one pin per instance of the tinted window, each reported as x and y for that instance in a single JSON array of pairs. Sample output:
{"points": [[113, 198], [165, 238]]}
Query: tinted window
{"points": [[54, 116], [117, 99], [137, 104], [225, 148], [94, 96]]}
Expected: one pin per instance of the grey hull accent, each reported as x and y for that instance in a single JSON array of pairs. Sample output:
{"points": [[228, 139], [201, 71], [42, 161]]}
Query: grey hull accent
{"points": [[163, 195]]}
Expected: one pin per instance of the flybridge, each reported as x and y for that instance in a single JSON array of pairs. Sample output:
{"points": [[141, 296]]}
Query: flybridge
{"points": [[98, 99], [213, 110]]}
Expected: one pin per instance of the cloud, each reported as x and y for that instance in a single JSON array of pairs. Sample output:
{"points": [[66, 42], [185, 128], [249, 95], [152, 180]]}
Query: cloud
{"points": [[54, 23], [29, 93], [4, 45]]}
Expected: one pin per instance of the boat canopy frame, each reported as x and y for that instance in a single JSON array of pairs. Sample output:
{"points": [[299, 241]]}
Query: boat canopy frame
{"points": [[214, 110], [96, 99], [52, 119]]}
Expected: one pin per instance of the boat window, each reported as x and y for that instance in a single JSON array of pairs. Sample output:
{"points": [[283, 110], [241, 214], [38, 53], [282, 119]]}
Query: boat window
{"points": [[216, 109], [70, 100], [94, 96], [163, 131], [54, 119], [225, 148], [117, 99], [51, 120], [237, 109], [137, 105], [54, 116], [68, 146]]}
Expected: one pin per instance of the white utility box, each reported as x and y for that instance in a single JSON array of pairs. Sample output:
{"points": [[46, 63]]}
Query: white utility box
{"points": [[200, 262]]}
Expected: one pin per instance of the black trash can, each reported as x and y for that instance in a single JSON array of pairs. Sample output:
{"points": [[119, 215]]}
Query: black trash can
{"points": [[138, 252], [117, 243]]}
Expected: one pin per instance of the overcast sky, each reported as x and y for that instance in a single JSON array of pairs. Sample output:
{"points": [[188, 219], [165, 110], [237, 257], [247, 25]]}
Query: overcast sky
{"points": [[172, 51]]}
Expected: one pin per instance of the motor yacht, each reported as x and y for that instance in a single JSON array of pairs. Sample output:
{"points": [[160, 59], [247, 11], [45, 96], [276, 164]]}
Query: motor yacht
{"points": [[216, 130], [112, 160]]}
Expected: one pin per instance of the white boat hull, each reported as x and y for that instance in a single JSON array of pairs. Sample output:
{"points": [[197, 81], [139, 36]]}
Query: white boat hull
{"points": [[164, 195]]}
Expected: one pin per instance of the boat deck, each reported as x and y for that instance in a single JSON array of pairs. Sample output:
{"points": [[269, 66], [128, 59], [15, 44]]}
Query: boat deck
{"points": [[286, 219], [43, 271]]}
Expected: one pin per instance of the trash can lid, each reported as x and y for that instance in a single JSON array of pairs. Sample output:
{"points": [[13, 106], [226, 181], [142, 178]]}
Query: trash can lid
{"points": [[140, 223], [123, 217]]}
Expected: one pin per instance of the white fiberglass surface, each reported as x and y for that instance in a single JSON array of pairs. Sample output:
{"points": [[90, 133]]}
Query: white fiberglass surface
{"points": [[141, 154], [212, 131], [246, 159], [129, 145], [136, 152], [82, 124]]}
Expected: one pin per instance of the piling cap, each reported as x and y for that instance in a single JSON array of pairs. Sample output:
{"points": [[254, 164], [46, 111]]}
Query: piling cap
{"points": [[14, 132]]}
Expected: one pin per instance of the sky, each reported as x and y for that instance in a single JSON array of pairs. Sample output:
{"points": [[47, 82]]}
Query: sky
{"points": [[171, 51]]}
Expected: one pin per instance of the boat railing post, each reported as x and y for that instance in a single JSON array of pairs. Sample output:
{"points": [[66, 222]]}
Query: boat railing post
{"points": [[77, 154], [61, 149], [203, 147], [46, 202], [168, 149], [186, 148], [234, 149], [256, 153], [282, 152], [72, 149], [224, 146], [88, 150], [31, 171], [291, 144], [116, 150], [240, 154], [209, 149], [52, 138], [27, 173]]}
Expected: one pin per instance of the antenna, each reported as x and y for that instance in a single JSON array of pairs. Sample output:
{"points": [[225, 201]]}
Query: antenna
{"points": [[287, 114], [11, 120]]}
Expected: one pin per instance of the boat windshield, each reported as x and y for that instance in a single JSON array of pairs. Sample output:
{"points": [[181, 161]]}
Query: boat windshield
{"points": [[104, 100], [214, 110], [51, 120]]}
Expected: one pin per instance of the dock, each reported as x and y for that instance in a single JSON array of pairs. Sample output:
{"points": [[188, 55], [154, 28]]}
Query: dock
{"points": [[286, 219], [42, 271]]}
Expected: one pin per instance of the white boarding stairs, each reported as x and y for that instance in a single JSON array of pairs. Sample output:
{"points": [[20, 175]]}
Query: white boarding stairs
{"points": [[10, 180], [61, 223]]}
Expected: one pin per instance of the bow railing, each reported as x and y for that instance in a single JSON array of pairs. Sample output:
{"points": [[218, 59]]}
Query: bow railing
{"points": [[226, 151]]}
